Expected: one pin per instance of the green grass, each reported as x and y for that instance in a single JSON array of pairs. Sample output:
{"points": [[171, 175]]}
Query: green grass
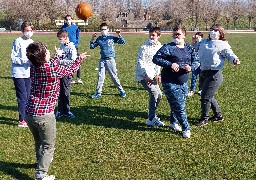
{"points": [[109, 139]]}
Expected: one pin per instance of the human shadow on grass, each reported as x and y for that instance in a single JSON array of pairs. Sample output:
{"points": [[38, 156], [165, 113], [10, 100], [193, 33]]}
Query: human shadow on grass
{"points": [[6, 107], [5, 77], [110, 118], [130, 87], [15, 170], [8, 121]]}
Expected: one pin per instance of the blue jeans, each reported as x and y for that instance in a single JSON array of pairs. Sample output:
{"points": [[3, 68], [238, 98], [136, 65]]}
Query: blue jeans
{"points": [[176, 96], [22, 87], [211, 81], [43, 129], [195, 73]]}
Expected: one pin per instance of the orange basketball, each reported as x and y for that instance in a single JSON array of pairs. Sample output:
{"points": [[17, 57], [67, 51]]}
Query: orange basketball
{"points": [[84, 11]]}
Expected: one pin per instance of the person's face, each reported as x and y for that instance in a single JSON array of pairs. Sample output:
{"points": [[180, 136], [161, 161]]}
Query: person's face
{"points": [[178, 34], [104, 30], [63, 40], [214, 33], [153, 36], [68, 20], [28, 29]]}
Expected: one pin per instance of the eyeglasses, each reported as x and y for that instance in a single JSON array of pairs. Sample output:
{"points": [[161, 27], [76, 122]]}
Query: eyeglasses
{"points": [[176, 34]]}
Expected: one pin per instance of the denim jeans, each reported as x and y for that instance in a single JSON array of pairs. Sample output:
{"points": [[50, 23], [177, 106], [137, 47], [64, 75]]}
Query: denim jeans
{"points": [[43, 129], [176, 96], [195, 73], [211, 81], [22, 87], [110, 66], [155, 97]]}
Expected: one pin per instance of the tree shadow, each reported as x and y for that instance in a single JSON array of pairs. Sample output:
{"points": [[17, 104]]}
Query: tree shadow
{"points": [[110, 118], [12, 169]]}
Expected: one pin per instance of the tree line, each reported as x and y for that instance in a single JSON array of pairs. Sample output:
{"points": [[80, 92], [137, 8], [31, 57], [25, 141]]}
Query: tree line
{"points": [[233, 14]]}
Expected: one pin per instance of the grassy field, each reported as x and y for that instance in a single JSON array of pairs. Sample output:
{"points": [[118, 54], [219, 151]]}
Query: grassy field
{"points": [[109, 139]]}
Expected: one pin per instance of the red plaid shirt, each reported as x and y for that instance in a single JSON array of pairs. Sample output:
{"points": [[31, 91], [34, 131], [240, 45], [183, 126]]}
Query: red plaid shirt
{"points": [[45, 85]]}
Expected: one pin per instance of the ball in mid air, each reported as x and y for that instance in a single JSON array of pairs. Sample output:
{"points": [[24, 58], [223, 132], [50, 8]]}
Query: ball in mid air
{"points": [[84, 11]]}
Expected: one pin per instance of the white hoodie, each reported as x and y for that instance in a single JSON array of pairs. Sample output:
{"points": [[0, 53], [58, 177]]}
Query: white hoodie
{"points": [[144, 65]]}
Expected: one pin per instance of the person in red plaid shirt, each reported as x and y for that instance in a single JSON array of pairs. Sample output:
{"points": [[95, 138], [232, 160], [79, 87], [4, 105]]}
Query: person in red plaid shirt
{"points": [[45, 76]]}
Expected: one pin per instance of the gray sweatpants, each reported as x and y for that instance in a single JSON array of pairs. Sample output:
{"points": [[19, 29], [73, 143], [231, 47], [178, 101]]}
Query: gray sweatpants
{"points": [[110, 66], [155, 94], [43, 129]]}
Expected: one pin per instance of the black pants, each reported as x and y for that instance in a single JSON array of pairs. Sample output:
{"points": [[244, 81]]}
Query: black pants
{"points": [[64, 96]]}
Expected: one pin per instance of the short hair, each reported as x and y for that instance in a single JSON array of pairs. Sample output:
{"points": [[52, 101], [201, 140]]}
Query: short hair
{"points": [[220, 28], [200, 34], [179, 27], [26, 24], [156, 30], [67, 16], [62, 33], [36, 52], [103, 24]]}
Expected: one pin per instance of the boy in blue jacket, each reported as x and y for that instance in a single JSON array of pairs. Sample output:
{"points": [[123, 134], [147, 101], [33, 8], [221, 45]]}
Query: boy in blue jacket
{"points": [[107, 60]]}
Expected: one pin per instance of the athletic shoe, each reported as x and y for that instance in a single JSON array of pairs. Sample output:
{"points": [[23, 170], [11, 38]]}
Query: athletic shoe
{"points": [[70, 114], [175, 127], [96, 96], [217, 118], [202, 122], [79, 81], [22, 123], [122, 94], [155, 122], [73, 82], [186, 134], [51, 177], [199, 92], [58, 115], [190, 93]]}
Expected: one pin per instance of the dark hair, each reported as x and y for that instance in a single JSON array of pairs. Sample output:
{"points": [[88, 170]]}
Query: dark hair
{"points": [[156, 30], [67, 17], [36, 53], [220, 28], [179, 27], [200, 34], [103, 24], [26, 24], [62, 33]]}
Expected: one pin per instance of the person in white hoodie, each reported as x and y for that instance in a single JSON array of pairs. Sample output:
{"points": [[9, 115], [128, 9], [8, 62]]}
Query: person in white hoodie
{"points": [[148, 74], [21, 69]]}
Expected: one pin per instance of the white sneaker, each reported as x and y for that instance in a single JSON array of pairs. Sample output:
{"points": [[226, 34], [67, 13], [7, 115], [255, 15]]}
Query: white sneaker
{"points": [[186, 134], [155, 122], [51, 177], [175, 127], [199, 92], [79, 81], [190, 93], [73, 82]]}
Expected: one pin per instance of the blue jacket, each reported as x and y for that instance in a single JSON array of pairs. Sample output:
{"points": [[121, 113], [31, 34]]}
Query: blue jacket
{"points": [[107, 45], [170, 53], [73, 33]]}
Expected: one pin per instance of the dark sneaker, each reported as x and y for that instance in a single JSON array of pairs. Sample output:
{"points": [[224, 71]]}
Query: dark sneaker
{"points": [[202, 122], [217, 118], [122, 94], [70, 115], [58, 115]]}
